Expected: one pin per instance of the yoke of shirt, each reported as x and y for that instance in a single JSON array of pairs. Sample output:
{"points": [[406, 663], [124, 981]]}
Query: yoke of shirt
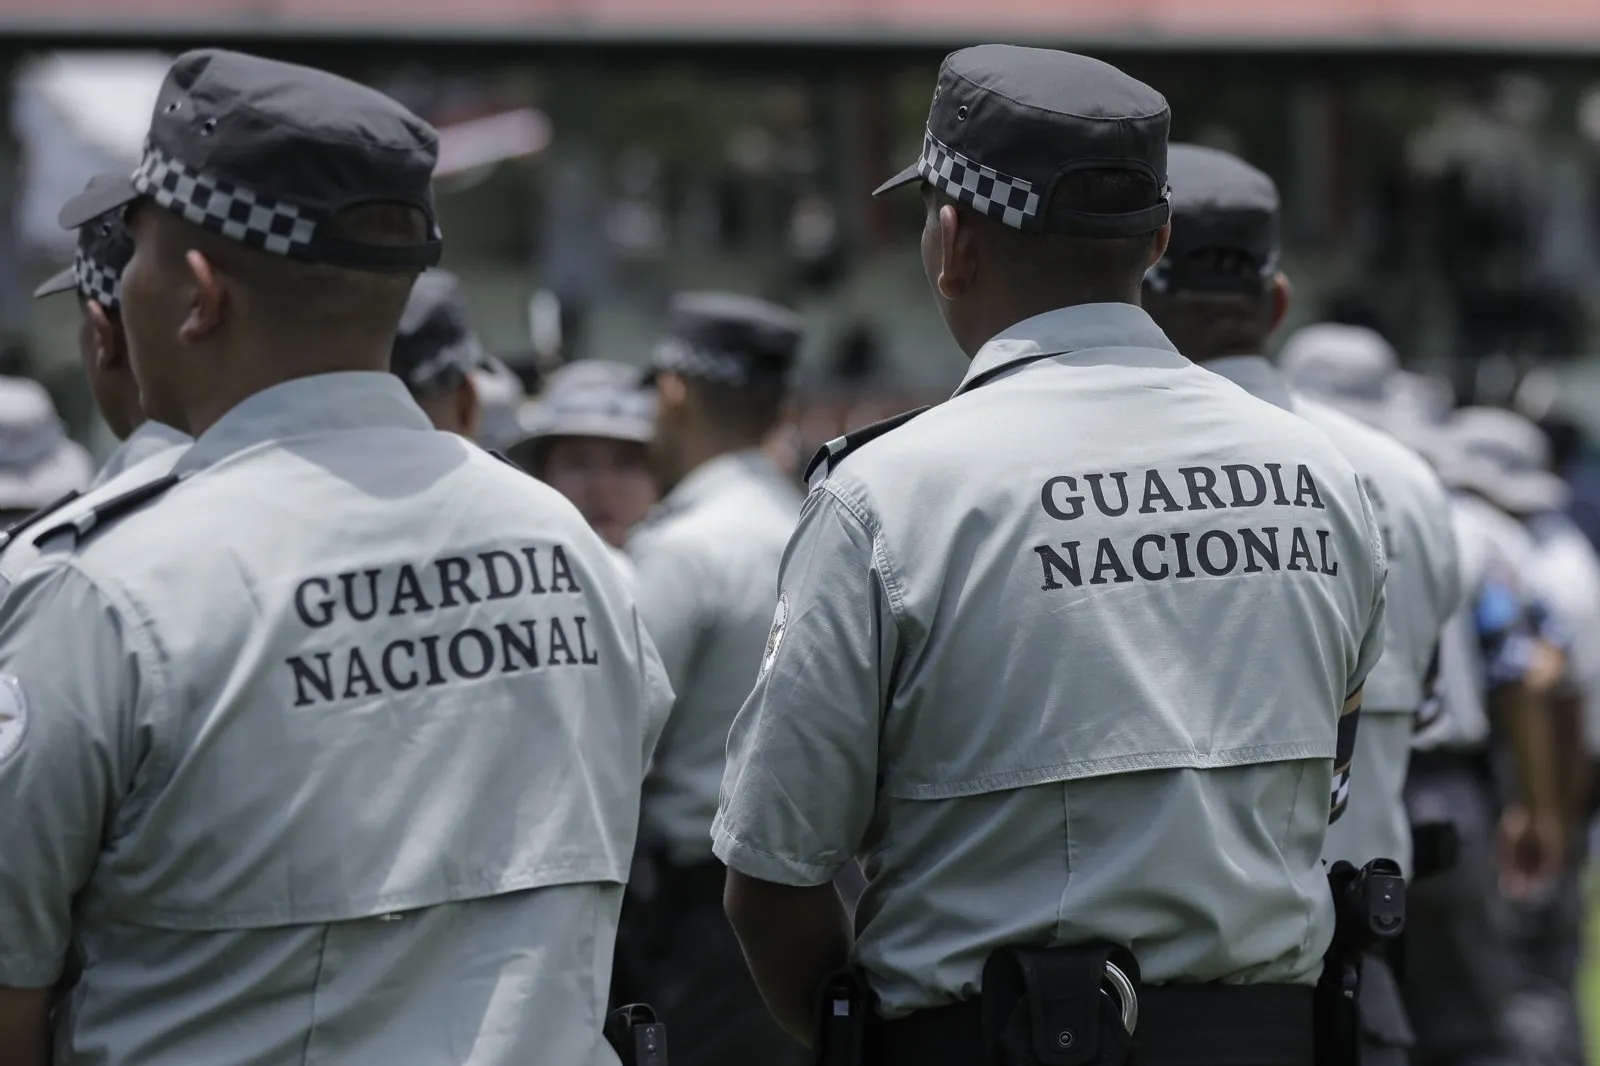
{"points": [[1102, 559], [20, 545], [1414, 517], [374, 668]]}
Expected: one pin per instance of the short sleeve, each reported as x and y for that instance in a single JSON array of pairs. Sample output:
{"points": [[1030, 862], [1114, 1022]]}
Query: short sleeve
{"points": [[1371, 647], [68, 756], [800, 785], [654, 687], [672, 591]]}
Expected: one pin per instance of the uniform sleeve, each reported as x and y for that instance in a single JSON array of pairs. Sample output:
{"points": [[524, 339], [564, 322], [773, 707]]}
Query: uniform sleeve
{"points": [[800, 785], [657, 690], [1502, 621], [673, 592], [69, 682], [1372, 639]]}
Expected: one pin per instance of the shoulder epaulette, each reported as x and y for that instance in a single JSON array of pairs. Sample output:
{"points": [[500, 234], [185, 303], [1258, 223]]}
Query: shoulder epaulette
{"points": [[506, 459], [17, 528], [107, 511], [831, 454]]}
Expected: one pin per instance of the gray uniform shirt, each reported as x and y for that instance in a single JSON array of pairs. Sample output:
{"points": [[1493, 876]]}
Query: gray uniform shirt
{"points": [[330, 754], [1063, 659], [1424, 589], [1496, 557], [150, 440], [707, 579]]}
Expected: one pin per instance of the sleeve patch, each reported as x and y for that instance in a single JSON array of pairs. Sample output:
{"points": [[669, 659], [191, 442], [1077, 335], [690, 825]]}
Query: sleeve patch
{"points": [[780, 624]]}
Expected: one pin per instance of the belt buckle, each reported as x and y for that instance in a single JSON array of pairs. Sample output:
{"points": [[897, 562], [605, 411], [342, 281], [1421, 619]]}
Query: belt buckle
{"points": [[1127, 998]]}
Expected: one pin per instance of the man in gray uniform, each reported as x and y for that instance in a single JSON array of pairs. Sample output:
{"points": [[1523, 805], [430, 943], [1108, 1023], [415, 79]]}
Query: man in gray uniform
{"points": [[1219, 296], [588, 437], [435, 353], [707, 563], [346, 764], [1072, 660], [95, 276], [1503, 459]]}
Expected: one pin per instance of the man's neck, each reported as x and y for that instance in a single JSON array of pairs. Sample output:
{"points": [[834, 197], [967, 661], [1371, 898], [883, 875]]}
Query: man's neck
{"points": [[237, 379], [1015, 311], [705, 448]]}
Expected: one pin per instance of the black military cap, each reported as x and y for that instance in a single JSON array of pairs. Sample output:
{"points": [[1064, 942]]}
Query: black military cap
{"points": [[1007, 123], [268, 153], [434, 347], [104, 249], [1220, 203], [733, 340]]}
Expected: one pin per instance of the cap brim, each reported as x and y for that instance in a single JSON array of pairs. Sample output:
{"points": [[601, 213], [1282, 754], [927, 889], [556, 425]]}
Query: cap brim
{"points": [[905, 177], [65, 281], [1521, 493], [96, 200]]}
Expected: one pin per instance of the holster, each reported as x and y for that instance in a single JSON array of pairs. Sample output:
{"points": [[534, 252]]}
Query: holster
{"points": [[1051, 1006], [843, 1015], [1369, 909], [637, 1037]]}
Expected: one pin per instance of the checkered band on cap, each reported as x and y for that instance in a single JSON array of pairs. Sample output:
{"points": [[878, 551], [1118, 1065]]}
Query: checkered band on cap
{"points": [[97, 282], [223, 207], [1000, 196], [673, 354]]}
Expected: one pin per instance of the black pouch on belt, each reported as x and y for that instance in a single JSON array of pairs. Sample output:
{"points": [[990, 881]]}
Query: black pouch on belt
{"points": [[1051, 1007]]}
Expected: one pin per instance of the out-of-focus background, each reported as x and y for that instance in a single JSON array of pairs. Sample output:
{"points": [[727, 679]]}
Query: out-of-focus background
{"points": [[1439, 159]]}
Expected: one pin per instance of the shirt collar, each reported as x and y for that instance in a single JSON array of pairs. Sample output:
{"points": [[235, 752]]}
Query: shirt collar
{"points": [[321, 403], [1063, 331], [711, 477], [1255, 375]]}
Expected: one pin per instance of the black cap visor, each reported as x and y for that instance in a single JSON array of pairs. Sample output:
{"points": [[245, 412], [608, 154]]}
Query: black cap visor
{"points": [[905, 177], [65, 281], [100, 197]]}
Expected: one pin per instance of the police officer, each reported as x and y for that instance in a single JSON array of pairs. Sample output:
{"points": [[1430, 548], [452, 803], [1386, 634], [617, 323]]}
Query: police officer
{"points": [[104, 249], [1046, 654], [346, 763], [38, 463], [436, 352], [707, 580], [1504, 462], [1219, 295], [588, 437]]}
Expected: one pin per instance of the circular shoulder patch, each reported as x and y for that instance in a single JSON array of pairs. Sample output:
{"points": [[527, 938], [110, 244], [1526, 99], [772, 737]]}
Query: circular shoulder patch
{"points": [[780, 622], [13, 716]]}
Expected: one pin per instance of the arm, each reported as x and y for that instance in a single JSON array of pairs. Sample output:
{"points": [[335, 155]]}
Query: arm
{"points": [[793, 938], [64, 751], [801, 782]]}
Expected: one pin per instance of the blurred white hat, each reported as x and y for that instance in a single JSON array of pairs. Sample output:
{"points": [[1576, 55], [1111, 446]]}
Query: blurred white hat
{"points": [[1348, 367], [1503, 457], [38, 462]]}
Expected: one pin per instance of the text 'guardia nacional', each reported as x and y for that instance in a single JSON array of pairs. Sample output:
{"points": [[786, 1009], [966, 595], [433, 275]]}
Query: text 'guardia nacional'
{"points": [[1184, 553], [374, 596]]}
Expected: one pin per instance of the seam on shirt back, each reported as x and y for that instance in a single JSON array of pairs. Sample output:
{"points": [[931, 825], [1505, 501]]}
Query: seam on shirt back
{"points": [[864, 518], [316, 989], [1288, 827]]}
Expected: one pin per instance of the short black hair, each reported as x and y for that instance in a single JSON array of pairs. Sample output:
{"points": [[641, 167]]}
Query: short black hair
{"points": [[305, 298], [1212, 323], [1082, 268], [749, 411]]}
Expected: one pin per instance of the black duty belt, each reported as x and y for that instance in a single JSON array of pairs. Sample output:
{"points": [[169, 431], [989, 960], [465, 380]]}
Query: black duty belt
{"points": [[1177, 1025]]}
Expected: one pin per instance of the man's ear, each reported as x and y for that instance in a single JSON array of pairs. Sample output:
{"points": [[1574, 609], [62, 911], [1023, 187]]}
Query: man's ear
{"points": [[1282, 296], [1158, 248], [469, 410], [208, 299], [672, 392], [958, 253], [106, 336]]}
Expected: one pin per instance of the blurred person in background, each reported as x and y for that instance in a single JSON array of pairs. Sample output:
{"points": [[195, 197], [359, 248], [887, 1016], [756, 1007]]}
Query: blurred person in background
{"points": [[1219, 296], [1506, 462], [708, 561], [500, 397], [436, 353], [1492, 678], [38, 463], [588, 437], [95, 277]]}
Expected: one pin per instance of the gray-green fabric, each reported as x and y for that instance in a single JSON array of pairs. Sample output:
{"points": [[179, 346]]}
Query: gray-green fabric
{"points": [[1424, 590], [707, 580], [347, 667], [1494, 547], [149, 440], [1021, 754]]}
